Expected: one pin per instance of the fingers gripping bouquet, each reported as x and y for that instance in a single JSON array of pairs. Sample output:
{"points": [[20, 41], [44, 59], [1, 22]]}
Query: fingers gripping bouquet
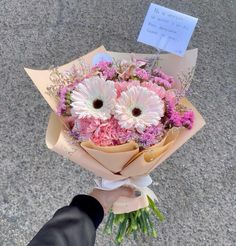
{"points": [[120, 119]]}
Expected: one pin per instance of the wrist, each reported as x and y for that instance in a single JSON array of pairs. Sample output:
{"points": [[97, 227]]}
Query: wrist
{"points": [[91, 206]]}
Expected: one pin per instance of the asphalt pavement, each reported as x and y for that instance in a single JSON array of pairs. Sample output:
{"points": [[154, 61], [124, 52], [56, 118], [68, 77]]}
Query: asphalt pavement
{"points": [[196, 186]]}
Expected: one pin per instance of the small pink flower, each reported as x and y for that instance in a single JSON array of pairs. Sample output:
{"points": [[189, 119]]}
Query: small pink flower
{"points": [[151, 135], [109, 73], [162, 82], [141, 74], [61, 108], [106, 69], [175, 119], [188, 119], [163, 79], [171, 101]]}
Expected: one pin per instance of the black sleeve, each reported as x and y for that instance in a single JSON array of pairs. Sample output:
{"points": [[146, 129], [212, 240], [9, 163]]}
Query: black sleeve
{"points": [[73, 225]]}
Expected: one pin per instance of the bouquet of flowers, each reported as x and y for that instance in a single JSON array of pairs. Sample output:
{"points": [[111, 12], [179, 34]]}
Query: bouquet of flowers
{"points": [[120, 117]]}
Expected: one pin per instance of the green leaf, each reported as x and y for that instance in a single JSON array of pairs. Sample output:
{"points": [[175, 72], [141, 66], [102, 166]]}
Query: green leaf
{"points": [[155, 209]]}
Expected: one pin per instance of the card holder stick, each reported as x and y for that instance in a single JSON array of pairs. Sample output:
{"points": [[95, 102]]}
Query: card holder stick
{"points": [[155, 60], [163, 42]]}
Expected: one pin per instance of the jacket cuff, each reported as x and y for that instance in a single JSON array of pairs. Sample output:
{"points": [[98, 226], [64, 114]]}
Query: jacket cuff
{"points": [[90, 206]]}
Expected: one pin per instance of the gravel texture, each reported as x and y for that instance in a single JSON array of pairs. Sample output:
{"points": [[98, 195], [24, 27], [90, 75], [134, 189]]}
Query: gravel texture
{"points": [[196, 186]]}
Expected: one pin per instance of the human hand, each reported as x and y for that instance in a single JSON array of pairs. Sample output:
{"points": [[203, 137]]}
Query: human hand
{"points": [[108, 197]]}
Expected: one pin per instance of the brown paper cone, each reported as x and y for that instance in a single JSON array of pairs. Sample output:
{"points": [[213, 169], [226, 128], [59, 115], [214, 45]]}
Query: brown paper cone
{"points": [[111, 149], [57, 140], [56, 136], [144, 162], [41, 78], [112, 158], [141, 166], [157, 150], [141, 152]]}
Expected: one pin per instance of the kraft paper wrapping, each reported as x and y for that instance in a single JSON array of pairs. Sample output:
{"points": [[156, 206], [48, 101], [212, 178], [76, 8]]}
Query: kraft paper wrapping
{"points": [[107, 162], [112, 158], [144, 161], [41, 78], [57, 140], [176, 139]]}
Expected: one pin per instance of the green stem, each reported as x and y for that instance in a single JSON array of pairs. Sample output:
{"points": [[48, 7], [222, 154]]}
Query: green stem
{"points": [[120, 236], [134, 222], [108, 222], [155, 209]]}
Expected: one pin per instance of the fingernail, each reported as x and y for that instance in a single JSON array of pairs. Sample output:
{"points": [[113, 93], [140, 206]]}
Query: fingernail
{"points": [[137, 193]]}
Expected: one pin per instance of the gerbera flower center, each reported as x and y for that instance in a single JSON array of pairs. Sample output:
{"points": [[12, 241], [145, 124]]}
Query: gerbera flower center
{"points": [[97, 103], [136, 112]]}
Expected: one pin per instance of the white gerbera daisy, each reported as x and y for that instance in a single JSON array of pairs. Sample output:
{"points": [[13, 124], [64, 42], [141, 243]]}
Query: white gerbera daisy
{"points": [[94, 97], [138, 107]]}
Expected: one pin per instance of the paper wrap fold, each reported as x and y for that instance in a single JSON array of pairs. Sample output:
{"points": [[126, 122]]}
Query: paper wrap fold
{"points": [[124, 161]]}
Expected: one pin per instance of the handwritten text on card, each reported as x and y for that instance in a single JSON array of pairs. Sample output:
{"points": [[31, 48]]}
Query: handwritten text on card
{"points": [[167, 29]]}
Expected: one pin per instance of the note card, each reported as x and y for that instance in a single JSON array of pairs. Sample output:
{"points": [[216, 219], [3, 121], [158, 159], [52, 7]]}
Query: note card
{"points": [[167, 29]]}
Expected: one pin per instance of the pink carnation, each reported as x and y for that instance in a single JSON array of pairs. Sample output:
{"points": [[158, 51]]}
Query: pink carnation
{"points": [[103, 133], [110, 133], [84, 128], [159, 90], [124, 86]]}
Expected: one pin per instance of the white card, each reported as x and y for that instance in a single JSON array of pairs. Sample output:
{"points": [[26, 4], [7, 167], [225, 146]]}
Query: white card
{"points": [[167, 29]]}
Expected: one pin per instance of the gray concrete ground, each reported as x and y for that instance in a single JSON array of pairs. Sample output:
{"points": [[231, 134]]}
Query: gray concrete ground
{"points": [[196, 186]]}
